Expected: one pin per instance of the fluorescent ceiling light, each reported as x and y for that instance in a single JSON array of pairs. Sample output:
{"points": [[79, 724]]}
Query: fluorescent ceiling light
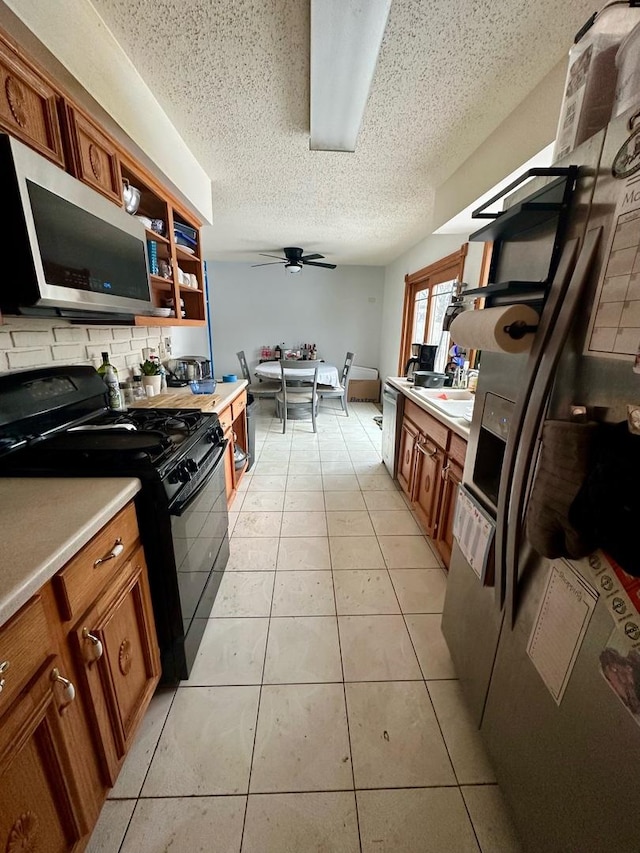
{"points": [[462, 223], [345, 41]]}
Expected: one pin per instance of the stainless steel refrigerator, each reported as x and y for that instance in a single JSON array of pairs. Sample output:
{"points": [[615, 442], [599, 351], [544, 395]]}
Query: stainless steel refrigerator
{"points": [[530, 634]]}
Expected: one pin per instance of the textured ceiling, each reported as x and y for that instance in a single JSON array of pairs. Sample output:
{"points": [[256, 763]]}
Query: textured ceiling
{"points": [[233, 77]]}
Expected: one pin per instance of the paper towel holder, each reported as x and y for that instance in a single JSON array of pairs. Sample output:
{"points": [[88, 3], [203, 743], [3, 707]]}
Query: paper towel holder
{"points": [[518, 329]]}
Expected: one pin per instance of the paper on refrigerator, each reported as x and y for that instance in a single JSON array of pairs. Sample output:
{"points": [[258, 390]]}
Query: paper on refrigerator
{"points": [[473, 530], [560, 625]]}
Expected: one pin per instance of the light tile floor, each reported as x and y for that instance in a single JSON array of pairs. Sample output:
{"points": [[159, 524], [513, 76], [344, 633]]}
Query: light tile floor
{"points": [[323, 712]]}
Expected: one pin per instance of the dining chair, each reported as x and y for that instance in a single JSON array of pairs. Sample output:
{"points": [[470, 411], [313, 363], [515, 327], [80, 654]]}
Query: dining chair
{"points": [[262, 388], [297, 391], [341, 390]]}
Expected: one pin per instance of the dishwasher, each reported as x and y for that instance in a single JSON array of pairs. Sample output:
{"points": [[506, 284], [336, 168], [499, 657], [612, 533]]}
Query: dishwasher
{"points": [[392, 405]]}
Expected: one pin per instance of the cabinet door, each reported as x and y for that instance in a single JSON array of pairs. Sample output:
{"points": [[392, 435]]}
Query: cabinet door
{"points": [[117, 644], [28, 106], [228, 468], [426, 494], [92, 156], [238, 410], [406, 456], [38, 805], [451, 475]]}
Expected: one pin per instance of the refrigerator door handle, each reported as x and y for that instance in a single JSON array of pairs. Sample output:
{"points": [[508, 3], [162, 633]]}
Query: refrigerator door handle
{"points": [[538, 349], [537, 402]]}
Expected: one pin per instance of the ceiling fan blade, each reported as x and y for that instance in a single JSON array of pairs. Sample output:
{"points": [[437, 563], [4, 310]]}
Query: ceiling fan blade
{"points": [[316, 264], [268, 263], [279, 257], [311, 257]]}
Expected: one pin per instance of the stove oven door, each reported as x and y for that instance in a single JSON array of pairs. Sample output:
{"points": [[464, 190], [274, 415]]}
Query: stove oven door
{"points": [[199, 526]]}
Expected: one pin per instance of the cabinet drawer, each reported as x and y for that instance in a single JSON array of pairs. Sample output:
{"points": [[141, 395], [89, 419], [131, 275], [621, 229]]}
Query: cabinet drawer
{"points": [[238, 406], [428, 425], [25, 644], [458, 449], [82, 579], [225, 419], [28, 106]]}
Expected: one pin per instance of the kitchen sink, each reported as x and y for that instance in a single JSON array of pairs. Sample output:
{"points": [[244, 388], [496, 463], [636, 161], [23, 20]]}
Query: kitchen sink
{"points": [[454, 402], [444, 394]]}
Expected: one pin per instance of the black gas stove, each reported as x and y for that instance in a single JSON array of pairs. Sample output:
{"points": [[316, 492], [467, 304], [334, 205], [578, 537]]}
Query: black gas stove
{"points": [[54, 422]]}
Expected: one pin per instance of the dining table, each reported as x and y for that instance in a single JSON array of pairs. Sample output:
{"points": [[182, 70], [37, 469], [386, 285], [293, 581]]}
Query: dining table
{"points": [[327, 373]]}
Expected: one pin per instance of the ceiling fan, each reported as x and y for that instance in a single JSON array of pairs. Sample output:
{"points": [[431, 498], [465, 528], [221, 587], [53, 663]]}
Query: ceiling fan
{"points": [[294, 260]]}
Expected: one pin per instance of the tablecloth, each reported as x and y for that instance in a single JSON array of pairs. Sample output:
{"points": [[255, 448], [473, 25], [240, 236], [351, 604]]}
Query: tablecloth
{"points": [[327, 373]]}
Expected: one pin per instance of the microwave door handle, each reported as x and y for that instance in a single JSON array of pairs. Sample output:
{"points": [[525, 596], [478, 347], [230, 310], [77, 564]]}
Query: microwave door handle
{"points": [[556, 336], [503, 568]]}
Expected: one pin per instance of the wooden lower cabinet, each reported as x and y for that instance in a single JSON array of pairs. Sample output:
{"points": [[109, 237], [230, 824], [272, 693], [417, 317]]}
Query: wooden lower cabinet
{"points": [[407, 456], [72, 693], [452, 477], [116, 651], [430, 464], [39, 807], [233, 420], [427, 477]]}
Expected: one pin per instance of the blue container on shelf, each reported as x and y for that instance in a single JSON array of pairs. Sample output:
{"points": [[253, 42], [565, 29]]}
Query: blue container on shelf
{"points": [[230, 377]]}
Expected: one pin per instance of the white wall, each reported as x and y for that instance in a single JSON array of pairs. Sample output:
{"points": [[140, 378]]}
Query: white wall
{"points": [[421, 255], [189, 340], [338, 310]]}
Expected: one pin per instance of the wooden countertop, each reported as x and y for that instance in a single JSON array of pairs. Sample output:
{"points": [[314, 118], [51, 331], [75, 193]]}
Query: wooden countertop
{"points": [[182, 398], [45, 521], [457, 425]]}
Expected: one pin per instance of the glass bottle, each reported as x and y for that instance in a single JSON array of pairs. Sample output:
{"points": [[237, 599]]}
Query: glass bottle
{"points": [[102, 370]]}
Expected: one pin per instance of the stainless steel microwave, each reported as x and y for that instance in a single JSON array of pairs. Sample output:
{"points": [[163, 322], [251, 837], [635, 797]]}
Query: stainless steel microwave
{"points": [[68, 251]]}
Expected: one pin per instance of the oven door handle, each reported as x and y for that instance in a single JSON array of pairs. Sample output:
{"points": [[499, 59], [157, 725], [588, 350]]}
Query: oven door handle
{"points": [[178, 507]]}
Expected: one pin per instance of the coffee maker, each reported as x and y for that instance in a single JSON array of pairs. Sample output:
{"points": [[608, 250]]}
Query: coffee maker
{"points": [[423, 357]]}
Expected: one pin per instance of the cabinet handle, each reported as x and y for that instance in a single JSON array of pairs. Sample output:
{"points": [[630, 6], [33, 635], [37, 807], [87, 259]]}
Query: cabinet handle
{"points": [[423, 449], [445, 472], [4, 666], [68, 690], [117, 549], [94, 651]]}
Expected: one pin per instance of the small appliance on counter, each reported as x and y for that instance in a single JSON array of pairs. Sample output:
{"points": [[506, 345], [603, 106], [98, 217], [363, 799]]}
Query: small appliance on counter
{"points": [[186, 369], [423, 357], [428, 379]]}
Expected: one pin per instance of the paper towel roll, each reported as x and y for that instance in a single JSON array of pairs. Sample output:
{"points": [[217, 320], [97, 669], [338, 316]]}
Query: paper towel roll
{"points": [[485, 329]]}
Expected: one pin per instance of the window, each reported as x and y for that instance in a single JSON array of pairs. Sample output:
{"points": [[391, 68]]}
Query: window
{"points": [[427, 294]]}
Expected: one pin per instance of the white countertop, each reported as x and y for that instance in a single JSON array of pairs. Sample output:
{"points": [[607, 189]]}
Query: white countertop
{"points": [[457, 425], [45, 521]]}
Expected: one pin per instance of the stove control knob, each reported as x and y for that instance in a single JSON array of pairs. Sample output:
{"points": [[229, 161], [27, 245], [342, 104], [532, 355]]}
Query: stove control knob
{"points": [[183, 473], [191, 465], [215, 435]]}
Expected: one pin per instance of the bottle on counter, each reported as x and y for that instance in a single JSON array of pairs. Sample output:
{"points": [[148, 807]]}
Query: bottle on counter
{"points": [[277, 352], [105, 365], [138, 388], [114, 397]]}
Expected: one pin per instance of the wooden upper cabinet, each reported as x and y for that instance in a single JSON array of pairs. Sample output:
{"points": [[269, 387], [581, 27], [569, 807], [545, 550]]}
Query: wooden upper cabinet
{"points": [[28, 105], [92, 156]]}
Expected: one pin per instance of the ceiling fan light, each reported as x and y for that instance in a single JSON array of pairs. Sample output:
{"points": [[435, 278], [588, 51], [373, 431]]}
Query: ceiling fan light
{"points": [[290, 267]]}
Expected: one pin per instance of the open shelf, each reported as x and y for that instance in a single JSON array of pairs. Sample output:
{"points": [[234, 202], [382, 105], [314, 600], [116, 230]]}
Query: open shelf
{"points": [[538, 208]]}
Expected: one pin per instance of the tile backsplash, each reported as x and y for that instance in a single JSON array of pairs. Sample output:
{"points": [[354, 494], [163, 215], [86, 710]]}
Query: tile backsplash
{"points": [[26, 343]]}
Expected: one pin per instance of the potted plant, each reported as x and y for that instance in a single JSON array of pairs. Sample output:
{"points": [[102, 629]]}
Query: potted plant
{"points": [[151, 376]]}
